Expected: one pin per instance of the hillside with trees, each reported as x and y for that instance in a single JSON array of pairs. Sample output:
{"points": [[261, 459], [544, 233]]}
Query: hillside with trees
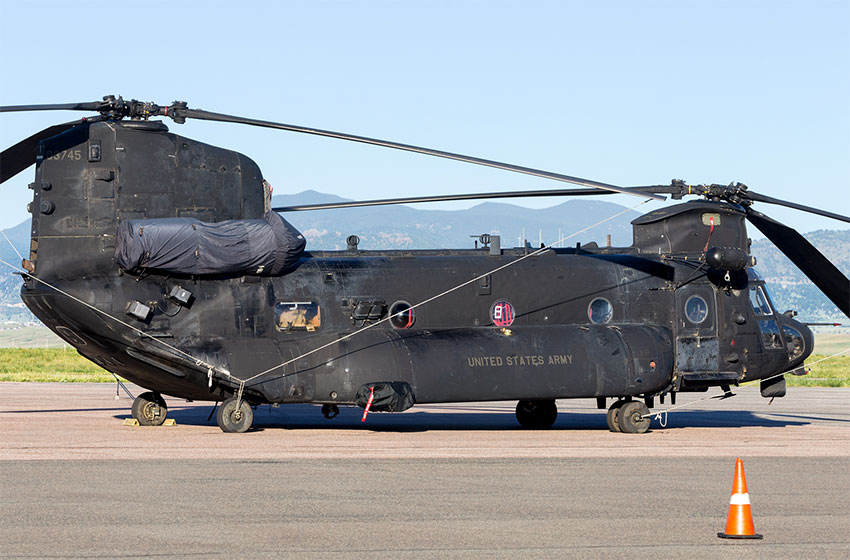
{"points": [[404, 227]]}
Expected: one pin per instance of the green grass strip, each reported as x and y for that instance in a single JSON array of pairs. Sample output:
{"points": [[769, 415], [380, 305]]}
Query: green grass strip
{"points": [[834, 372], [66, 366], [49, 364]]}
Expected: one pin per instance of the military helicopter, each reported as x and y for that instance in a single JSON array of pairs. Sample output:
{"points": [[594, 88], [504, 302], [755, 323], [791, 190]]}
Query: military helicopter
{"points": [[160, 259]]}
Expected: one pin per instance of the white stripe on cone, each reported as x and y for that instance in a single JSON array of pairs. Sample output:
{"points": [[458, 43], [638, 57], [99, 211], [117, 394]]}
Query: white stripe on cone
{"points": [[740, 500]]}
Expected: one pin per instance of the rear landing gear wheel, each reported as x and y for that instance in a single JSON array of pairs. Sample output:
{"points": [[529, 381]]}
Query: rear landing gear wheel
{"points": [[232, 419], [632, 419], [536, 414], [150, 409], [613, 416], [330, 411]]}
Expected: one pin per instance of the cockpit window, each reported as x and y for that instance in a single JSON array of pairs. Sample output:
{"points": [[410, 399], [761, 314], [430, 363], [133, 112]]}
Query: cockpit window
{"points": [[297, 316], [759, 301]]}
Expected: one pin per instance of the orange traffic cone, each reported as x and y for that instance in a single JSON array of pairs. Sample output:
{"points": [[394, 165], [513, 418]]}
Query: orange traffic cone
{"points": [[739, 524]]}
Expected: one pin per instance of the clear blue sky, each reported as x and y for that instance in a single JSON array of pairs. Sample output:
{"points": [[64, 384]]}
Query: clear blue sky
{"points": [[624, 92]]}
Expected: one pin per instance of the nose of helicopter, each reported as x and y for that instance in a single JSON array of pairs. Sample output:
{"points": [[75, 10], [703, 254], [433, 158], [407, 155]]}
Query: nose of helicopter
{"points": [[809, 340]]}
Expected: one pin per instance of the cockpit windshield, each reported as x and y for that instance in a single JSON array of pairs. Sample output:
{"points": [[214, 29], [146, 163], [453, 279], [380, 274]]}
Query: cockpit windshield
{"points": [[770, 333], [760, 301]]}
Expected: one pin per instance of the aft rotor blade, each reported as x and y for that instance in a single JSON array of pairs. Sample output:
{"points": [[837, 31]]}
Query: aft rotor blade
{"points": [[448, 197], [817, 267], [770, 200], [88, 106], [206, 115], [16, 158]]}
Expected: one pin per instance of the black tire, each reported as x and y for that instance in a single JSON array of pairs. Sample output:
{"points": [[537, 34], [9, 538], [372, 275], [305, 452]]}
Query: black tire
{"points": [[613, 416], [536, 414], [149, 409], [631, 418], [233, 420]]}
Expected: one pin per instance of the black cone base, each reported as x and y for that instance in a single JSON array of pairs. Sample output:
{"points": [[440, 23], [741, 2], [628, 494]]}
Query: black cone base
{"points": [[725, 536]]}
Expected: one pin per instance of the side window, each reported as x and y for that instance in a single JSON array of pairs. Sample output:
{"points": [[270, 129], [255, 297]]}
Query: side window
{"points": [[297, 316], [600, 311], [696, 311]]}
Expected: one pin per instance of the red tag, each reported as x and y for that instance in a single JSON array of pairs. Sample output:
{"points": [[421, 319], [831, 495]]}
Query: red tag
{"points": [[368, 403]]}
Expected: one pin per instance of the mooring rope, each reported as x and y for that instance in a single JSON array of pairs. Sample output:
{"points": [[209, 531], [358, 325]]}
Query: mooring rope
{"points": [[212, 370], [15, 249], [657, 414], [429, 300]]}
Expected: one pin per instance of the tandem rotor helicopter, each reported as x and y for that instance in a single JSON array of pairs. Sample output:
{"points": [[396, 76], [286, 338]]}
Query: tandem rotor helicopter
{"points": [[160, 259]]}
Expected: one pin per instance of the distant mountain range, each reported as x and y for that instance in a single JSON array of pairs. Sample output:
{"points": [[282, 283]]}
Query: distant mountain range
{"points": [[404, 227], [11, 308], [790, 288]]}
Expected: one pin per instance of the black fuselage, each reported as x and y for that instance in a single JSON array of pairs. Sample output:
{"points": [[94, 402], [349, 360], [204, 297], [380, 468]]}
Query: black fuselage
{"points": [[565, 323]]}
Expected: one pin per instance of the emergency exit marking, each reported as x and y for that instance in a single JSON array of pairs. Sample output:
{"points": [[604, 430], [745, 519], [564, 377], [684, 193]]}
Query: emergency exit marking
{"points": [[502, 313]]}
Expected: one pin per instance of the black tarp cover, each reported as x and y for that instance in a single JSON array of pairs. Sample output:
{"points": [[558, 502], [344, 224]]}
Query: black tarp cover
{"points": [[388, 396], [265, 247]]}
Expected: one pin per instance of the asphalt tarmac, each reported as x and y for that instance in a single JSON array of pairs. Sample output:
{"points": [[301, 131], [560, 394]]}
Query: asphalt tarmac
{"points": [[447, 481]]}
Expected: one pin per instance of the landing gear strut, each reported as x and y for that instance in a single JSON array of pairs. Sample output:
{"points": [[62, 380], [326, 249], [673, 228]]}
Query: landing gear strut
{"points": [[150, 409], [231, 418], [536, 414]]}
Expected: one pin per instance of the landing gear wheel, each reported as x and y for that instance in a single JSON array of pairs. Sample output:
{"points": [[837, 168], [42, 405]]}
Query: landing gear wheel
{"points": [[631, 418], [613, 416], [330, 411], [150, 409], [232, 419], [536, 414]]}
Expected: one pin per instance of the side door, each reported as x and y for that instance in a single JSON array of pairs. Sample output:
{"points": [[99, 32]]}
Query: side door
{"points": [[697, 344]]}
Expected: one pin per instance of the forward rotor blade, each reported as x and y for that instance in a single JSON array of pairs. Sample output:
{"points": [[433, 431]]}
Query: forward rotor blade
{"points": [[16, 158], [770, 200], [206, 115], [447, 197], [820, 271]]}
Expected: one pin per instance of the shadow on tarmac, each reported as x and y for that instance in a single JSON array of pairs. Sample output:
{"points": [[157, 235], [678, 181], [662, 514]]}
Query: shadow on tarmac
{"points": [[309, 417], [455, 417]]}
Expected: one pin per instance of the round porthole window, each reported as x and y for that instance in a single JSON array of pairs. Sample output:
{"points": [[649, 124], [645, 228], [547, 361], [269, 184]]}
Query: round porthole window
{"points": [[402, 315], [600, 311], [696, 309]]}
